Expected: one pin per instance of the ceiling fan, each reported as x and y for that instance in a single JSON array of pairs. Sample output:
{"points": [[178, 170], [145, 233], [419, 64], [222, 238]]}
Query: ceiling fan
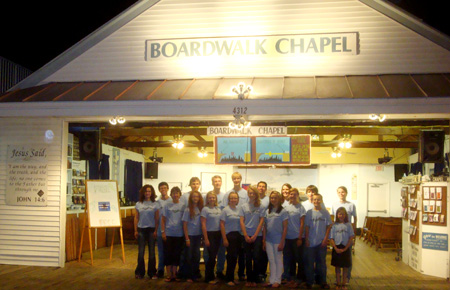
{"points": [[201, 152]]}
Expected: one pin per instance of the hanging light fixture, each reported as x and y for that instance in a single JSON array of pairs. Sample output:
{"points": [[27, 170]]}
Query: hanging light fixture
{"points": [[336, 152], [346, 142], [178, 142], [239, 123], [202, 153]]}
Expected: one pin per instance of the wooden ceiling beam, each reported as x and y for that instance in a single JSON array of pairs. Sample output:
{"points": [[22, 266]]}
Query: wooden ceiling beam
{"points": [[355, 144], [397, 131], [369, 144]]}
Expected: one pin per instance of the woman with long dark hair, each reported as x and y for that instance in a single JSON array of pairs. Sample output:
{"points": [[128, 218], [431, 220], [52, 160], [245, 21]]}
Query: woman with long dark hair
{"points": [[274, 236], [145, 228], [193, 235]]}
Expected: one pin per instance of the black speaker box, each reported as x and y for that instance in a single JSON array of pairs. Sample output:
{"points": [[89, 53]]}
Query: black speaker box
{"points": [[400, 169], [431, 147], [151, 170], [90, 145]]}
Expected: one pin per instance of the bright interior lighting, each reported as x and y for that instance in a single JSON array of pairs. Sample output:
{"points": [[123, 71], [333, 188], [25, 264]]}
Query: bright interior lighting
{"points": [[121, 120]]}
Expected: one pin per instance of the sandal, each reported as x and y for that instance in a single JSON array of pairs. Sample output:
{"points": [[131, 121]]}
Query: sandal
{"points": [[231, 284], [213, 282], [169, 279]]}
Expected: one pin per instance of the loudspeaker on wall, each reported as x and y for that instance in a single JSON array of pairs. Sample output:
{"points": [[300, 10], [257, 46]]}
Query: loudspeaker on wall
{"points": [[90, 145], [431, 146], [151, 170], [400, 170]]}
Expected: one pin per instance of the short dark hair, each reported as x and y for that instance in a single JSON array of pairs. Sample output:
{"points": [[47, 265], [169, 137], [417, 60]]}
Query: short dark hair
{"points": [[263, 182], [175, 189], [162, 184]]}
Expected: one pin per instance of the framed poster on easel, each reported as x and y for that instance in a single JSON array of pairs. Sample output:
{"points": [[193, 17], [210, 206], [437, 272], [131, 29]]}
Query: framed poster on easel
{"points": [[102, 211]]}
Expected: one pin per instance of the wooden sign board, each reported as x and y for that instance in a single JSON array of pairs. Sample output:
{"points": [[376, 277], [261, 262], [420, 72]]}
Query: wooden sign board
{"points": [[103, 211], [103, 203]]}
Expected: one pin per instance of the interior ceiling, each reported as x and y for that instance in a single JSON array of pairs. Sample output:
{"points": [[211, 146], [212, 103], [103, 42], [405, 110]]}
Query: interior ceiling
{"points": [[364, 133]]}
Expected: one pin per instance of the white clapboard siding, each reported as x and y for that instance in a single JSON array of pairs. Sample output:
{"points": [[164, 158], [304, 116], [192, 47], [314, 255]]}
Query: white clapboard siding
{"points": [[386, 46], [32, 235]]}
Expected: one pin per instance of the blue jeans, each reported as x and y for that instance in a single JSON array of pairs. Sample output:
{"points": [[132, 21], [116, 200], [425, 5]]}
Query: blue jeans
{"points": [[192, 261], [316, 263], [159, 242], [145, 237]]}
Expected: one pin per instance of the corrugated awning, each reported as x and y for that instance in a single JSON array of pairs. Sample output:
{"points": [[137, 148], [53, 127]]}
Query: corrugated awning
{"points": [[374, 86]]}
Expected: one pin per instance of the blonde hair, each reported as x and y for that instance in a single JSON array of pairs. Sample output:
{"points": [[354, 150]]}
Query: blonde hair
{"points": [[236, 174], [209, 194], [254, 189], [280, 201]]}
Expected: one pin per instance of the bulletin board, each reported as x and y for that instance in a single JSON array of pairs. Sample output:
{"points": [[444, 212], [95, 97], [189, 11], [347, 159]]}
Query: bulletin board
{"points": [[434, 205], [103, 200]]}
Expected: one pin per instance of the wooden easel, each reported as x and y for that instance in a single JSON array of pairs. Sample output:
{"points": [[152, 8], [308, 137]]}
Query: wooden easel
{"points": [[109, 197]]}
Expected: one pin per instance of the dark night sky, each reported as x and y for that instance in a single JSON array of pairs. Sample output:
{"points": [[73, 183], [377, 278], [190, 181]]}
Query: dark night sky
{"points": [[36, 32]]}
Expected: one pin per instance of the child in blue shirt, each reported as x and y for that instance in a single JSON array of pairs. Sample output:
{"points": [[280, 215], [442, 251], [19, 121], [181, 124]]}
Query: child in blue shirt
{"points": [[341, 238]]}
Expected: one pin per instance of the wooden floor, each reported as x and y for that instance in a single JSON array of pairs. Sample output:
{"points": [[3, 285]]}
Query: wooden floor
{"points": [[371, 270]]}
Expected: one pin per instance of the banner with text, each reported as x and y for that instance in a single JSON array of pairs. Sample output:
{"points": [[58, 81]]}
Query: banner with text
{"points": [[253, 46], [27, 179], [250, 131]]}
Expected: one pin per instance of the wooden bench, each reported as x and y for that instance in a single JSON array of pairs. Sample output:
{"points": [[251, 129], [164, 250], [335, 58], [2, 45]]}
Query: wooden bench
{"points": [[390, 236]]}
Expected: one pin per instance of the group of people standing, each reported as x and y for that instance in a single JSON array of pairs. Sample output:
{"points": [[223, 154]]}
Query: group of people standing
{"points": [[284, 231]]}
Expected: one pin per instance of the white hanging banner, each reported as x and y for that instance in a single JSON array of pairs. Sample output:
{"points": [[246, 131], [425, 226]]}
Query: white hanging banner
{"points": [[251, 131], [27, 178]]}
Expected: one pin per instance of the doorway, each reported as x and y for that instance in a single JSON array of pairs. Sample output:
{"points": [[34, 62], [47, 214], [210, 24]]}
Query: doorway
{"points": [[378, 199]]}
